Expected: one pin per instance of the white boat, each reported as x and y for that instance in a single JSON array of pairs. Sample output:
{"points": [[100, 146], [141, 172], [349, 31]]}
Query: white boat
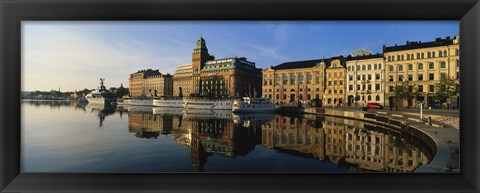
{"points": [[100, 96], [175, 102], [207, 103], [252, 105], [170, 111], [207, 114]]}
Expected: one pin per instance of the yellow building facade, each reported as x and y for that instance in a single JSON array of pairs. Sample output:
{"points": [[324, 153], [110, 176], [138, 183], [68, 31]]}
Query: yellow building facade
{"points": [[150, 83], [182, 80], [294, 82], [421, 65], [335, 83]]}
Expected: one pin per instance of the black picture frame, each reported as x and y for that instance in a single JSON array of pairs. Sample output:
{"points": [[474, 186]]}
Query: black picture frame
{"points": [[12, 12]]}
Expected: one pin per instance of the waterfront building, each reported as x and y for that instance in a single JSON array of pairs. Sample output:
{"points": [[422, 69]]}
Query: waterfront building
{"points": [[294, 82], [335, 82], [230, 77], [148, 125], [182, 80], [233, 77], [150, 83], [421, 65], [365, 79]]}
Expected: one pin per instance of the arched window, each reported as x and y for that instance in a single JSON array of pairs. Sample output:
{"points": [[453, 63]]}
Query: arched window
{"points": [[418, 55], [420, 66], [348, 68], [440, 53], [391, 68], [369, 67], [379, 66], [445, 53], [408, 56], [374, 66], [400, 67], [443, 64], [431, 65], [429, 55], [410, 66], [411, 56], [377, 98], [403, 57], [363, 67], [369, 98], [358, 68], [433, 54], [423, 55]]}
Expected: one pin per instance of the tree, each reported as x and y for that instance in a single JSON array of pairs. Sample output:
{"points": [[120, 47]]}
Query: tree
{"points": [[446, 89]]}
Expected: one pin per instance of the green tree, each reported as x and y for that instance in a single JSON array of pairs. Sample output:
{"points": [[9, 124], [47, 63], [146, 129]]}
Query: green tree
{"points": [[446, 89]]}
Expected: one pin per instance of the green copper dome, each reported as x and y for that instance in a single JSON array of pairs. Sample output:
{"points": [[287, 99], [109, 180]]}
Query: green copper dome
{"points": [[201, 45]]}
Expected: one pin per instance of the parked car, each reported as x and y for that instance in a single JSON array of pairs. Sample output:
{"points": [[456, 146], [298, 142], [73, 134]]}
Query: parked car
{"points": [[374, 106]]}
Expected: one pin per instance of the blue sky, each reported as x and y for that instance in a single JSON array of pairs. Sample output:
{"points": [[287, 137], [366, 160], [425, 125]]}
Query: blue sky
{"points": [[74, 55]]}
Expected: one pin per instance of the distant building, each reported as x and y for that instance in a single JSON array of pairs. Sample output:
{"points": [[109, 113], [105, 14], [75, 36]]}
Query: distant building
{"points": [[150, 83]]}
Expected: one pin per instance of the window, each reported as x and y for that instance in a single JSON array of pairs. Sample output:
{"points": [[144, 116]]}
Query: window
{"points": [[340, 82], [363, 67], [423, 55], [443, 75], [377, 98], [431, 76], [420, 66], [309, 78], [358, 68], [369, 88], [456, 52], [418, 55], [398, 57], [377, 76], [433, 54], [358, 87], [410, 88], [369, 77], [350, 87], [334, 82], [420, 76], [334, 74], [431, 65], [429, 55], [445, 53], [410, 66], [277, 78], [374, 66], [369, 98], [389, 58], [408, 56], [410, 77], [285, 79], [390, 78], [341, 74], [348, 69], [431, 88], [300, 78], [390, 68], [369, 67], [377, 87], [350, 77], [420, 88], [329, 83], [443, 64], [292, 78], [440, 54], [402, 57], [400, 78], [358, 77], [400, 67], [390, 89], [379, 66], [457, 63]]}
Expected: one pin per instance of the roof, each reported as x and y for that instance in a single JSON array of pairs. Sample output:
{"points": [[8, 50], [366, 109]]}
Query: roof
{"points": [[297, 64], [364, 57], [417, 45]]}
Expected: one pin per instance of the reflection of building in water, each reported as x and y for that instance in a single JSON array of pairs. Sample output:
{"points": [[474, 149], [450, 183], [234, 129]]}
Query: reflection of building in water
{"points": [[334, 139], [359, 146], [372, 149], [296, 135], [148, 125]]}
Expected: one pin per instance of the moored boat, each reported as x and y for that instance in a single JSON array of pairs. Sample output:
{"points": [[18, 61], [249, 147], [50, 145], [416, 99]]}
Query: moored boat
{"points": [[249, 105], [101, 96], [175, 102], [207, 103]]}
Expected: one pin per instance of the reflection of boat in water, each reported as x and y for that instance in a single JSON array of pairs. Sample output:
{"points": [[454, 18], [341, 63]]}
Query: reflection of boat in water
{"points": [[207, 103], [242, 118], [146, 109], [136, 101], [101, 96], [102, 109], [169, 102], [163, 110], [205, 113], [253, 105]]}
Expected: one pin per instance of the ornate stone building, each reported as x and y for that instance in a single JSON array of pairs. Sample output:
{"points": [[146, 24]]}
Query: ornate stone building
{"points": [[365, 79], [335, 82], [294, 82], [233, 77], [421, 65], [150, 83], [182, 80]]}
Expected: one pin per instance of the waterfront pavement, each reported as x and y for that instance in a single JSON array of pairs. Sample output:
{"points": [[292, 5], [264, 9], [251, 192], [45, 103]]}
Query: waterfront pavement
{"points": [[444, 129]]}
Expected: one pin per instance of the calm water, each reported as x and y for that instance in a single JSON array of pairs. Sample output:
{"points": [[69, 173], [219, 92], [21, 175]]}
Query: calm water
{"points": [[69, 137]]}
